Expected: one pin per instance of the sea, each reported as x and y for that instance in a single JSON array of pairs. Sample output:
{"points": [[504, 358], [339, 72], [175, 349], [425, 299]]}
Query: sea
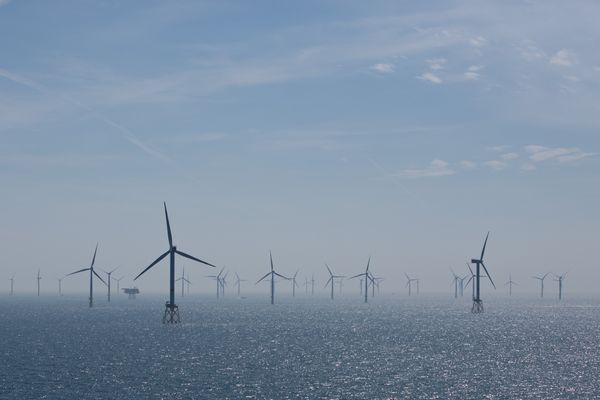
{"points": [[394, 347]]}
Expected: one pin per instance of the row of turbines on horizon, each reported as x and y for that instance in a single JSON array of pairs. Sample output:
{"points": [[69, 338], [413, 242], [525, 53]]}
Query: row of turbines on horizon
{"points": [[366, 279]]}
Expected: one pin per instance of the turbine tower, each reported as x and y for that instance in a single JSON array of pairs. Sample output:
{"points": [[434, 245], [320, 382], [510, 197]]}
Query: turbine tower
{"points": [[306, 281], [272, 273], [12, 284], [409, 282], [59, 286], [183, 280], [331, 279], [366, 276], [559, 279], [217, 278], [477, 303], [541, 279], [456, 280], [294, 283], [238, 283], [312, 283], [118, 283], [39, 278], [109, 275], [92, 273], [171, 314], [224, 283], [510, 284]]}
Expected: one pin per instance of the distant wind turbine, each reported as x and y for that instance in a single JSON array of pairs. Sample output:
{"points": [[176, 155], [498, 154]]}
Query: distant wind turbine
{"points": [[312, 283], [59, 286], [541, 279], [455, 280], [92, 273], [171, 314], [39, 278], [118, 283], [306, 281], [366, 276], [224, 283], [559, 279], [409, 282], [331, 279], [477, 303], [272, 273], [217, 278], [238, 283], [510, 284], [183, 280], [109, 273], [294, 283], [12, 284]]}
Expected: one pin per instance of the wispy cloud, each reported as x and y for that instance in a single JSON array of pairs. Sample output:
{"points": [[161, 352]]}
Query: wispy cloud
{"points": [[496, 164], [473, 73], [435, 169], [466, 164], [563, 58], [430, 77], [509, 156], [539, 153], [383, 68]]}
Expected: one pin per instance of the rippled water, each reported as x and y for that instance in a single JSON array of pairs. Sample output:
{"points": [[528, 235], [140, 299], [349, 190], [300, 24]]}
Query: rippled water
{"points": [[300, 349]]}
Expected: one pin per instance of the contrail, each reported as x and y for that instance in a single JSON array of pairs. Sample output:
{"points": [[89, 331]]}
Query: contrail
{"points": [[127, 133]]}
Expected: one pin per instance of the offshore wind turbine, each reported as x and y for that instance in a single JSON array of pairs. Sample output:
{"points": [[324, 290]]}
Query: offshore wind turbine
{"points": [[409, 282], [12, 284], [109, 273], [366, 276], [118, 283], [331, 279], [183, 280], [312, 282], [217, 278], [456, 281], [188, 284], [559, 279], [541, 279], [92, 273], [171, 314], [224, 283], [272, 273], [39, 278], [59, 286], [477, 303], [510, 284], [238, 283], [306, 281], [294, 284]]}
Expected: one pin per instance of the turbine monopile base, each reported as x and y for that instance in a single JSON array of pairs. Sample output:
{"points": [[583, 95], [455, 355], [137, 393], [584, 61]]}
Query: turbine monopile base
{"points": [[171, 315], [477, 306]]}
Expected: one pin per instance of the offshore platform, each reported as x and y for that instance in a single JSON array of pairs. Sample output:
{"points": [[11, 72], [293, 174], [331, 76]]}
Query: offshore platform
{"points": [[131, 292]]}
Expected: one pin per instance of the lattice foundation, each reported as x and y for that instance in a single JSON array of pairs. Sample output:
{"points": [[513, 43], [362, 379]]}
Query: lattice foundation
{"points": [[477, 307], [171, 315]]}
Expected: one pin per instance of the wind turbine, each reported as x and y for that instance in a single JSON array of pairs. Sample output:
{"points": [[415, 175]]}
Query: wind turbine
{"points": [[331, 279], [109, 274], [224, 283], [541, 279], [59, 286], [118, 283], [294, 283], [39, 278], [510, 284], [409, 282], [306, 285], [183, 280], [312, 282], [272, 273], [171, 314], [12, 284], [366, 276], [188, 284], [238, 283], [462, 285], [559, 279], [92, 273], [477, 303], [456, 281], [217, 278]]}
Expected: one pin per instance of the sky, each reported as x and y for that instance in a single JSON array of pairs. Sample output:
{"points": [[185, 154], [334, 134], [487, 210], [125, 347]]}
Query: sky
{"points": [[324, 131]]}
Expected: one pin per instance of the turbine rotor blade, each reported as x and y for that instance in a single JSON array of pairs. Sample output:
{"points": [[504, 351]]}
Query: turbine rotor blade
{"points": [[281, 276], [488, 274], [327, 283], [153, 264], [356, 276], [484, 244], [98, 276], [170, 236], [94, 258], [328, 269], [262, 278], [76, 272], [181, 253]]}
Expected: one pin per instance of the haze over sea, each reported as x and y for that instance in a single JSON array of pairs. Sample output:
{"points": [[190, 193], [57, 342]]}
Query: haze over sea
{"points": [[304, 348]]}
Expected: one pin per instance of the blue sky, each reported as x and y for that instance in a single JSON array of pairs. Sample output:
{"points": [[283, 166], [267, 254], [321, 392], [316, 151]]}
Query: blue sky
{"points": [[325, 131]]}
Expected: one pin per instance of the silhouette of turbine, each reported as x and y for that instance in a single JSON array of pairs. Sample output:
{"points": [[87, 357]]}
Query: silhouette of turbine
{"points": [[59, 286], [171, 314], [92, 273], [477, 303], [510, 284], [217, 278], [294, 283], [183, 280], [559, 279], [331, 279], [306, 282], [109, 273], [238, 283], [541, 279], [366, 276], [12, 284], [118, 283], [39, 278], [456, 281], [409, 282], [273, 274]]}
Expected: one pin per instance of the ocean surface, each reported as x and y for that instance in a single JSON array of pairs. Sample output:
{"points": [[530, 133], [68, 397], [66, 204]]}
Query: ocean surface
{"points": [[304, 348]]}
